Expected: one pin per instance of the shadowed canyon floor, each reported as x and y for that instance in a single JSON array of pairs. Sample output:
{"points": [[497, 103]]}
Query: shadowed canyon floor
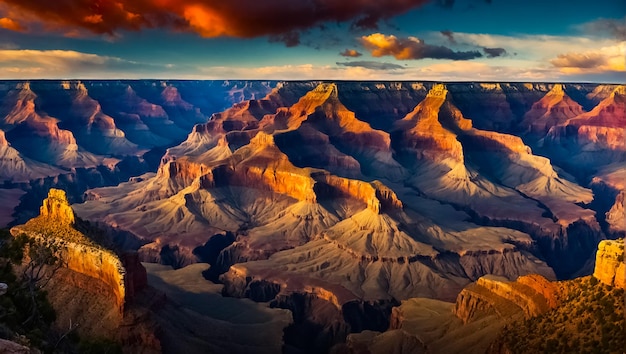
{"points": [[197, 318], [331, 200]]}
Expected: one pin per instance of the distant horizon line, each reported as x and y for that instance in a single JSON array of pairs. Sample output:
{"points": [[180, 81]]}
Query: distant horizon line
{"points": [[325, 80]]}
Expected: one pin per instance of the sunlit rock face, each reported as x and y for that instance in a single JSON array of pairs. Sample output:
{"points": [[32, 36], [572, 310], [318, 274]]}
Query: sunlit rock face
{"points": [[529, 295], [57, 208], [593, 138], [290, 174], [343, 191], [55, 225], [420, 131], [555, 108], [610, 267], [330, 196]]}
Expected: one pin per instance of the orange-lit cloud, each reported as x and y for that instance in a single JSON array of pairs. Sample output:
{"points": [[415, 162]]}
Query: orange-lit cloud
{"points": [[10, 24], [352, 53], [611, 58], [209, 18], [411, 48]]}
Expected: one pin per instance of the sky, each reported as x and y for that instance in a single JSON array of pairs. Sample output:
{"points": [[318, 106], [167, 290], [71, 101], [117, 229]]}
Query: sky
{"points": [[438, 40]]}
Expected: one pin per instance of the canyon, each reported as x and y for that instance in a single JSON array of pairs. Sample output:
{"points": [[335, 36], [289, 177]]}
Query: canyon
{"points": [[487, 314], [336, 201], [103, 293]]}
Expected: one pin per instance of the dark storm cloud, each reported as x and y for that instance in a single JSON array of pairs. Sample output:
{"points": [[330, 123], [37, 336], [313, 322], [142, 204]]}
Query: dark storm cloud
{"points": [[374, 65], [412, 48], [494, 52], [208, 18]]}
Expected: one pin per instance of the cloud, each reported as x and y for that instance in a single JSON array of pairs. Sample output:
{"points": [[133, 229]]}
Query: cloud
{"points": [[534, 47], [208, 18], [494, 52], [611, 58], [374, 65], [10, 24], [449, 35], [412, 48], [352, 53], [44, 64], [580, 60], [615, 28]]}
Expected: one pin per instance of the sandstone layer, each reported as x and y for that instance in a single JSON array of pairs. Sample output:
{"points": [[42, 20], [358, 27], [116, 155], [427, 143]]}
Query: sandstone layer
{"points": [[610, 267], [55, 225]]}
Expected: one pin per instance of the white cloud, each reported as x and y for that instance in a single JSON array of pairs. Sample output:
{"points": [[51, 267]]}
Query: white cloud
{"points": [[534, 46], [49, 64]]}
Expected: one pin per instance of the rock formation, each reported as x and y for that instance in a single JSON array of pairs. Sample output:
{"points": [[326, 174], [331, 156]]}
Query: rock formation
{"points": [[331, 193], [55, 224], [528, 296], [57, 209], [555, 108], [610, 267]]}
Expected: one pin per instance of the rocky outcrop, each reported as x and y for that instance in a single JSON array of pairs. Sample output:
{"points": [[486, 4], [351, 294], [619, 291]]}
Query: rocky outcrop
{"points": [[55, 225], [57, 209], [598, 136], [555, 108], [528, 296], [3, 140], [38, 135], [616, 216], [420, 133], [610, 267]]}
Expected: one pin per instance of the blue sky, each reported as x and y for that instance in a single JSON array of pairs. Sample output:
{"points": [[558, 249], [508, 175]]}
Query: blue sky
{"points": [[493, 40]]}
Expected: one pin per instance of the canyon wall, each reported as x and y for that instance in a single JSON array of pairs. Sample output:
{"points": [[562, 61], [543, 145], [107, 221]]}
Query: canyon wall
{"points": [[610, 267], [55, 227]]}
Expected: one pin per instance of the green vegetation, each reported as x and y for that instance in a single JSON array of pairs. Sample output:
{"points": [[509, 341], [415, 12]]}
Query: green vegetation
{"points": [[589, 320], [26, 315]]}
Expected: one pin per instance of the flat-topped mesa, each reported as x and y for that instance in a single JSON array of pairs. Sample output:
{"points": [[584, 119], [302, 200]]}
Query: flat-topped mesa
{"points": [[81, 254], [610, 267], [57, 208]]}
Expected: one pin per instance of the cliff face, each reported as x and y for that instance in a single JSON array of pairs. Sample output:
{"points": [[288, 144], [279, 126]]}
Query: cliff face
{"points": [[616, 216], [555, 108], [528, 296], [610, 267], [55, 224]]}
